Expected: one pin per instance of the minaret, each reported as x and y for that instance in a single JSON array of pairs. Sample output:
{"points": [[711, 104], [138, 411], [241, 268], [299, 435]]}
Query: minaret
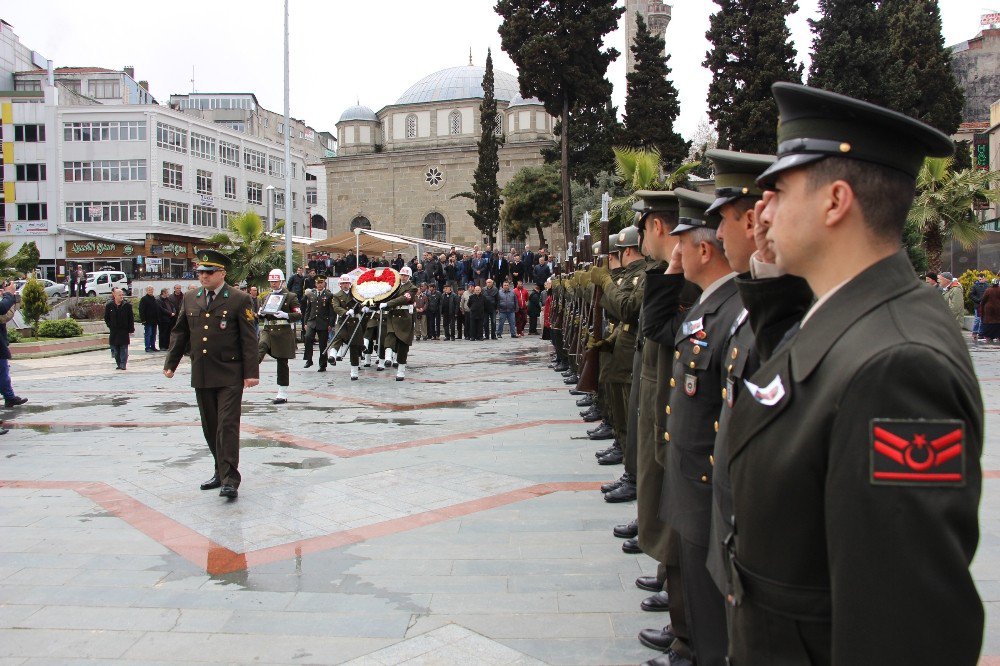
{"points": [[657, 15]]}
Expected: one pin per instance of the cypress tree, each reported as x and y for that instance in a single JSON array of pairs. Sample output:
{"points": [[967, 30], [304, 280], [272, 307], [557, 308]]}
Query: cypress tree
{"points": [[485, 190], [751, 49], [849, 50], [919, 78], [651, 105], [557, 46]]}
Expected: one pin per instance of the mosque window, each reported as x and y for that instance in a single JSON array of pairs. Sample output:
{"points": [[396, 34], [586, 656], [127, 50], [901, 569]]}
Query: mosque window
{"points": [[434, 227], [361, 222], [411, 126], [434, 176], [455, 123]]}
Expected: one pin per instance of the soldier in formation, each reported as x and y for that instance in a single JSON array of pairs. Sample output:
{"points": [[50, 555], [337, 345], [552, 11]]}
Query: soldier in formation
{"points": [[778, 385]]}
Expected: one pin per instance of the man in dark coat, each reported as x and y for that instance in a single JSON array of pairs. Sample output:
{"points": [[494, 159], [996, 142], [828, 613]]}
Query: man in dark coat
{"points": [[121, 324], [477, 310], [433, 312], [216, 324], [449, 311], [855, 450], [319, 317], [9, 304], [149, 315], [491, 300], [167, 313]]}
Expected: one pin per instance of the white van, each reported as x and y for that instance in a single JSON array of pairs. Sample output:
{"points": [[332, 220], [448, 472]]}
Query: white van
{"points": [[100, 283]]}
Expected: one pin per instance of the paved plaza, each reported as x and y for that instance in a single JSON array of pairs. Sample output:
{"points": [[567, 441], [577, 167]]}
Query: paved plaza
{"points": [[453, 518]]}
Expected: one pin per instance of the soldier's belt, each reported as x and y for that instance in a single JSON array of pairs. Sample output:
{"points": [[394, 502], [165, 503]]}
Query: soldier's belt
{"points": [[273, 324], [795, 601], [625, 327]]}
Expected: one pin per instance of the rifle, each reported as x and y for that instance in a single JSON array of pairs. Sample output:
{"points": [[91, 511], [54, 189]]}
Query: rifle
{"points": [[591, 358]]}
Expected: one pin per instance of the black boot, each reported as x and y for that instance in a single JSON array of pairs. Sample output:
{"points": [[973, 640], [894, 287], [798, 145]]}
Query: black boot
{"points": [[585, 401], [616, 457], [626, 492], [612, 485], [604, 432], [572, 380]]}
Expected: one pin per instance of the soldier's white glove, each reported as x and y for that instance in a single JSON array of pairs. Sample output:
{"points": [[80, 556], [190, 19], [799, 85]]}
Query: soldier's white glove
{"points": [[281, 315], [350, 313], [365, 310], [381, 306]]}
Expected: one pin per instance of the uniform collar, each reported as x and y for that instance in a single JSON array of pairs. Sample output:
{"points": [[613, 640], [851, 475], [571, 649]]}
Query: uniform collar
{"points": [[876, 285], [712, 288]]}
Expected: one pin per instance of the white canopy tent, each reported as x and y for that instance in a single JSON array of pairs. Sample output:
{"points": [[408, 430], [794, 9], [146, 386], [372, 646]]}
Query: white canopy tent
{"points": [[381, 241]]}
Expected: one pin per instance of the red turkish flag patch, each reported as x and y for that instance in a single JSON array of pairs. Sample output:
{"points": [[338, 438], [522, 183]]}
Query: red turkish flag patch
{"points": [[917, 452]]}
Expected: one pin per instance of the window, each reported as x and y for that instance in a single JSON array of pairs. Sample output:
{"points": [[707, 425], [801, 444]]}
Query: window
{"points": [[28, 85], [105, 211], [203, 181], [309, 176], [226, 216], [281, 128], [229, 153], [202, 216], [71, 85], [30, 172], [30, 212], [230, 187], [294, 172], [203, 146], [106, 89], [302, 134], [295, 200], [498, 131], [455, 122], [171, 138], [116, 130], [237, 125], [173, 176], [104, 171], [266, 121], [29, 133], [276, 167], [311, 198], [279, 198], [434, 227], [361, 222], [255, 193], [411, 126], [173, 211], [255, 160]]}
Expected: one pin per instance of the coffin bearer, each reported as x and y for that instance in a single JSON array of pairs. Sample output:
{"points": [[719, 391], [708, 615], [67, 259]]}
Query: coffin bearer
{"points": [[399, 327], [277, 335], [216, 323]]}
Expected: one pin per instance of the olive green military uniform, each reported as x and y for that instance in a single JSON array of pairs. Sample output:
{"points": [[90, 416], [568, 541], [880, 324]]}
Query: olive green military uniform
{"points": [[222, 343], [319, 317], [349, 326], [399, 321], [277, 336]]}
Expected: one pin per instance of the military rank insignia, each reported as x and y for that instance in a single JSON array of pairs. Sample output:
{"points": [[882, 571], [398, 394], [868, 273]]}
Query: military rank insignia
{"points": [[917, 452], [690, 384], [249, 315]]}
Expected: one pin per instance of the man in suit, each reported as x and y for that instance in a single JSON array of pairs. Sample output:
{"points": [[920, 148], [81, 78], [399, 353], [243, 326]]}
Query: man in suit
{"points": [[491, 300], [216, 323], [866, 423]]}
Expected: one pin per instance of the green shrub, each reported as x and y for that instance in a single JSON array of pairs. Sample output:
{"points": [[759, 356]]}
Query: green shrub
{"points": [[13, 335], [34, 302], [967, 279], [60, 328]]}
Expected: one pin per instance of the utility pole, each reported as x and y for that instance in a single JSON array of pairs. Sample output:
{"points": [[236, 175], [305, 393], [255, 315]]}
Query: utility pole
{"points": [[289, 220]]}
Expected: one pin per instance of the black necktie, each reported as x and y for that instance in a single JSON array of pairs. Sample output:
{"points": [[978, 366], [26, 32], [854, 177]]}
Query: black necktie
{"points": [[211, 297]]}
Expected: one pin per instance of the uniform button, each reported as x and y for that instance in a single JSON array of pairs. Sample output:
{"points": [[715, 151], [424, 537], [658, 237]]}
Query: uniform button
{"points": [[724, 393], [730, 368], [204, 339], [711, 460], [736, 352], [666, 436], [673, 382], [668, 409], [207, 315], [204, 351], [677, 354], [716, 426], [206, 327], [697, 350], [704, 478], [692, 365]]}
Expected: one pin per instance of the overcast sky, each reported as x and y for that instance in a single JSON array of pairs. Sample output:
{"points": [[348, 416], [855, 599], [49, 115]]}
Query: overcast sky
{"points": [[343, 51]]}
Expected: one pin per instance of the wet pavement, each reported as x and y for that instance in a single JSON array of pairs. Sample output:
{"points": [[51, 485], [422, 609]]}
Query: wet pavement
{"points": [[451, 518]]}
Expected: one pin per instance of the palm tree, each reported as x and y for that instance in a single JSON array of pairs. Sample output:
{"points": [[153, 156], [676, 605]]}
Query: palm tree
{"points": [[943, 205], [639, 169], [253, 251]]}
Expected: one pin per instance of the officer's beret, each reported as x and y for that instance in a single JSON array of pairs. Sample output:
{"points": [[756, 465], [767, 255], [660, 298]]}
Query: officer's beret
{"points": [[736, 175], [814, 124]]}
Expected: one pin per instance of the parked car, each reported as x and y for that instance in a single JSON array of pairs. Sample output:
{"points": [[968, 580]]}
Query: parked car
{"points": [[100, 283], [52, 289]]}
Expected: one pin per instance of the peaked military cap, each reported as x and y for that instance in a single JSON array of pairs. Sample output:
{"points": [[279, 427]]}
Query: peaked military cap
{"points": [[736, 175], [652, 201], [627, 237], [814, 124], [692, 211], [213, 260], [596, 248]]}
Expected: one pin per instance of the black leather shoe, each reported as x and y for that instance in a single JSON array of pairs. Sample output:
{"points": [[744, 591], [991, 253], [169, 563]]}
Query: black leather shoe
{"points": [[652, 584], [604, 452], [212, 483], [279, 401], [623, 493], [571, 380], [574, 391], [602, 424], [627, 531], [616, 457], [631, 546], [669, 658], [14, 402], [658, 603], [604, 432], [561, 367], [611, 485], [585, 401], [228, 491], [658, 639], [321, 368], [567, 372], [309, 363], [590, 417], [592, 409]]}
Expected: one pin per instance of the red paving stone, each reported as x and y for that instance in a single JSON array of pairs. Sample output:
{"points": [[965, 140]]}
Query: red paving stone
{"points": [[215, 559]]}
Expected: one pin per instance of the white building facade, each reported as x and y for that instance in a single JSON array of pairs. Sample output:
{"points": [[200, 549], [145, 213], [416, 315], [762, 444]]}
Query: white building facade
{"points": [[135, 187]]}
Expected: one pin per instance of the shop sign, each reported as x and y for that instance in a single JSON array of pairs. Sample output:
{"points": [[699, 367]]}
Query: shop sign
{"points": [[99, 249]]}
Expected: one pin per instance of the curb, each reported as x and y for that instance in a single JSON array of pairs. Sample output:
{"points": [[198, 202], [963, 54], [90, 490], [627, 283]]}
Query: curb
{"points": [[62, 347]]}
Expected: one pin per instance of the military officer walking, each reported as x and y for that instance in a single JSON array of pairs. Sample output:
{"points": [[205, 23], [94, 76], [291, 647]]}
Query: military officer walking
{"points": [[865, 427], [318, 317], [277, 335], [216, 322], [399, 324]]}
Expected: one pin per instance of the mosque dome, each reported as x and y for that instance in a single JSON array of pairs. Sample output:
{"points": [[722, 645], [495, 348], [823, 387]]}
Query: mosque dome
{"points": [[358, 112], [465, 82], [517, 100]]}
